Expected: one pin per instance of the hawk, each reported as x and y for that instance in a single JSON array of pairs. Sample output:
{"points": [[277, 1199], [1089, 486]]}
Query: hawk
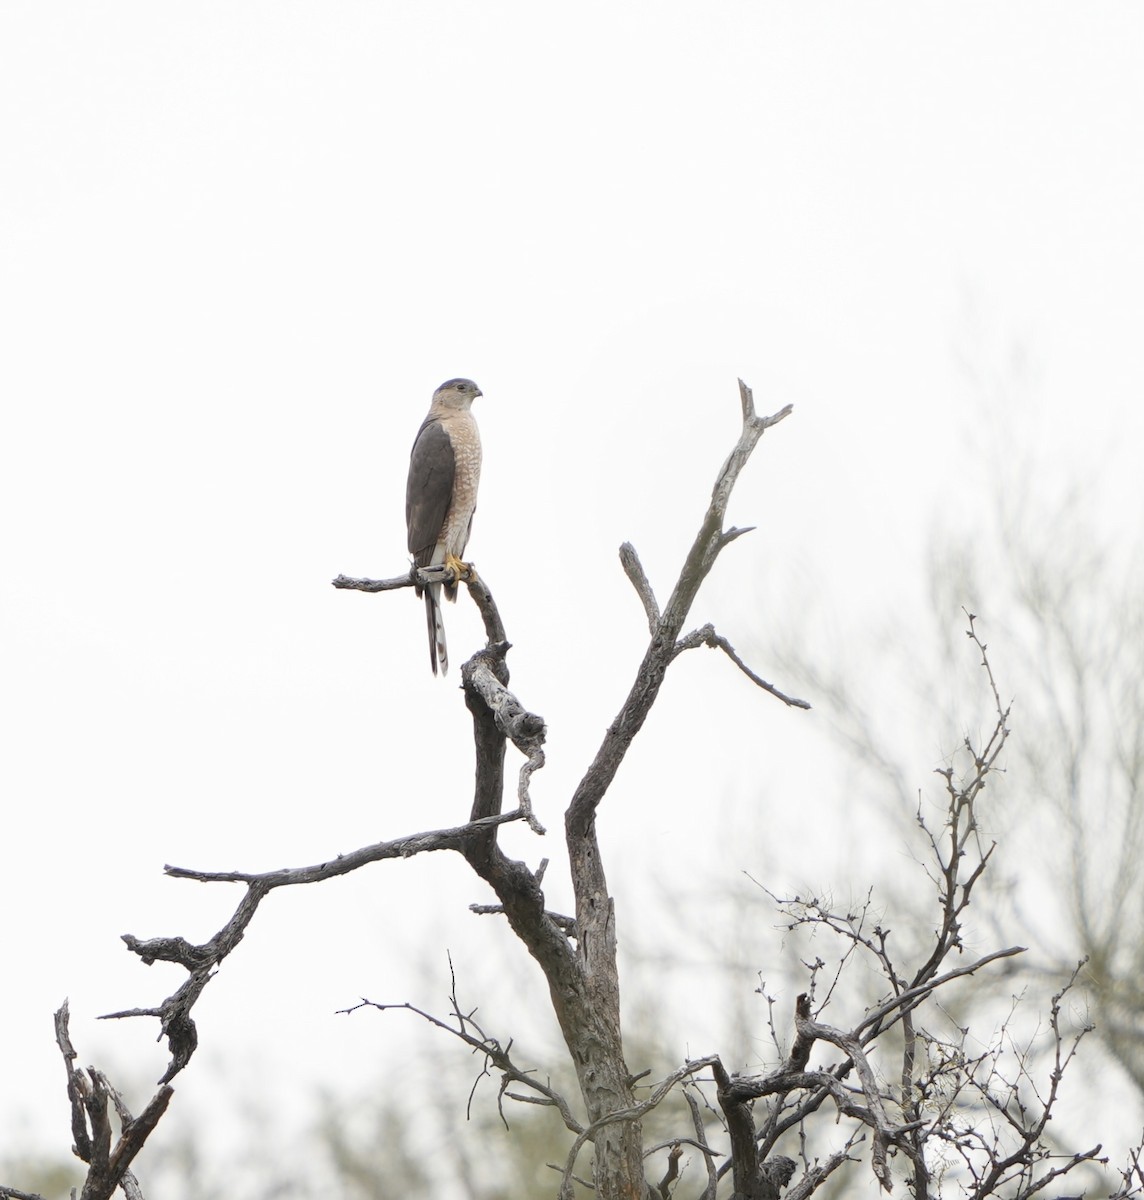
{"points": [[441, 497]]}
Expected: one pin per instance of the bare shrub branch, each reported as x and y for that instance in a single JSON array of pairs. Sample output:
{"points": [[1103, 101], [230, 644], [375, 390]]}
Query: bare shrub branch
{"points": [[496, 1054]]}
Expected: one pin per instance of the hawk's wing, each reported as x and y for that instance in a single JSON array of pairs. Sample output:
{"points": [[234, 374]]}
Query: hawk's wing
{"points": [[429, 489]]}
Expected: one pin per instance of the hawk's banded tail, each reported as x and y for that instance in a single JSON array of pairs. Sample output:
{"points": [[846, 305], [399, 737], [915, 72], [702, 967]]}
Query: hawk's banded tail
{"points": [[438, 652]]}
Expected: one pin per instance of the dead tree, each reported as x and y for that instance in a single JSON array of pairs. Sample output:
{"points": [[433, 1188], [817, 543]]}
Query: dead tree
{"points": [[578, 953], [906, 1115]]}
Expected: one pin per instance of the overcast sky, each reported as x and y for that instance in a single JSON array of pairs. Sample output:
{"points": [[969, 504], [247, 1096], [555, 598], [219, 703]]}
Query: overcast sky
{"points": [[241, 244]]}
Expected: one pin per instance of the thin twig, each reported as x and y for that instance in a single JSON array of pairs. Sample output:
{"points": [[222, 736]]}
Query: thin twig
{"points": [[568, 924], [910, 997], [706, 636], [493, 1051]]}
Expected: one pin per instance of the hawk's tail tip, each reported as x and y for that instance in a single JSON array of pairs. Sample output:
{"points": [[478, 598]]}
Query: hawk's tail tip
{"points": [[438, 652]]}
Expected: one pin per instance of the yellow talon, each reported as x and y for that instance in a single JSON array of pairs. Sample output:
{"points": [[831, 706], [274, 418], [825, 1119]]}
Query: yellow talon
{"points": [[454, 564]]}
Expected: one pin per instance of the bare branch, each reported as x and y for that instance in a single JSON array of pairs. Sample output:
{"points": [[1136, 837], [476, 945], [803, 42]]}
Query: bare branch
{"points": [[414, 577], [701, 1139], [568, 924], [1132, 1174], [816, 1176], [494, 1052], [90, 1093], [883, 1131], [709, 541], [744, 1160], [706, 636], [134, 1131], [672, 1172], [730, 535], [702, 1147], [176, 1023], [403, 847], [490, 614], [1022, 1162], [911, 996], [747, 402], [524, 729], [421, 576], [634, 1113], [348, 583], [633, 569]]}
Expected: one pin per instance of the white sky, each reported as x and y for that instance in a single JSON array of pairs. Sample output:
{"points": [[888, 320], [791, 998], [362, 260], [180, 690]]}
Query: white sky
{"points": [[240, 244]]}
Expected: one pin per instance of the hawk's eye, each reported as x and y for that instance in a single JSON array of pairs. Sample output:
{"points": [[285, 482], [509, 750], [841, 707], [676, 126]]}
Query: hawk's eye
{"points": [[462, 387]]}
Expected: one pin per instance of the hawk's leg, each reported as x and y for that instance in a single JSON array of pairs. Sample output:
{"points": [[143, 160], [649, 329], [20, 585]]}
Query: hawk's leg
{"points": [[460, 570]]}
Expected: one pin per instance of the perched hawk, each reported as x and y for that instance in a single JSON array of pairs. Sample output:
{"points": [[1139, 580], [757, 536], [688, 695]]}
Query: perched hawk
{"points": [[441, 497]]}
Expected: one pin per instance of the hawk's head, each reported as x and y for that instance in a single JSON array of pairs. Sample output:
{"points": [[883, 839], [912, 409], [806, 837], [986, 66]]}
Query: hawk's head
{"points": [[456, 393]]}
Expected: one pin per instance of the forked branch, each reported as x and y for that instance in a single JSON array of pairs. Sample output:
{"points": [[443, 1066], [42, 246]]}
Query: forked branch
{"points": [[200, 960], [495, 1053], [108, 1158], [665, 629]]}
